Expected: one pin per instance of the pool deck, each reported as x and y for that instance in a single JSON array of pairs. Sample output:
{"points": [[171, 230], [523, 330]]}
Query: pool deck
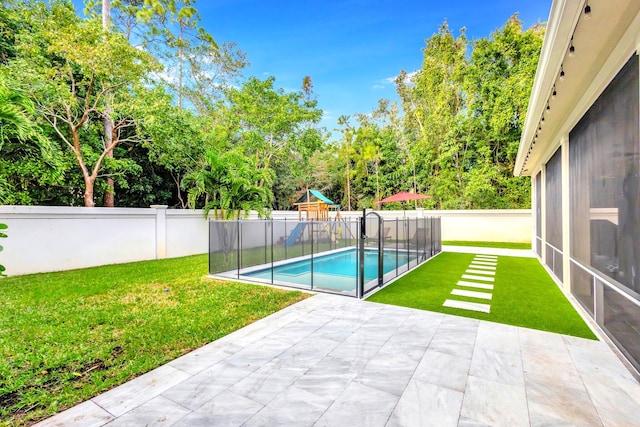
{"points": [[337, 361]]}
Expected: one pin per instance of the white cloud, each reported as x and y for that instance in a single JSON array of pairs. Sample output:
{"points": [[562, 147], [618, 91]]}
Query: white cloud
{"points": [[407, 79], [377, 87]]}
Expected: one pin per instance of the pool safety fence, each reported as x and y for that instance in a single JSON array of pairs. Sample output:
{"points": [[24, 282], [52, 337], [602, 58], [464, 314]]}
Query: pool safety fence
{"points": [[348, 256]]}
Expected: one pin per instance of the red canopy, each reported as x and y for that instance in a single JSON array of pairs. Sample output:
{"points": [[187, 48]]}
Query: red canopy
{"points": [[404, 196]]}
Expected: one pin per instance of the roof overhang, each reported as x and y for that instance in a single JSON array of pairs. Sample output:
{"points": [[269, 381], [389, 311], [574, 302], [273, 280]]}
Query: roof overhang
{"points": [[595, 38]]}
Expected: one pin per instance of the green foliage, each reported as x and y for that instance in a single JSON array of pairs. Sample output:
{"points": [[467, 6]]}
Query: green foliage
{"points": [[68, 336], [458, 136], [232, 184], [179, 96]]}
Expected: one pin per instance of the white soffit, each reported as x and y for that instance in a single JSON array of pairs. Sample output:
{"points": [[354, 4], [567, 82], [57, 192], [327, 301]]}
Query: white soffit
{"points": [[595, 40]]}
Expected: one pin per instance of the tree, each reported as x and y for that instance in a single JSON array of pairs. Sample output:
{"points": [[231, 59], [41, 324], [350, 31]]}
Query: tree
{"points": [[346, 153], [70, 78], [232, 185], [274, 127]]}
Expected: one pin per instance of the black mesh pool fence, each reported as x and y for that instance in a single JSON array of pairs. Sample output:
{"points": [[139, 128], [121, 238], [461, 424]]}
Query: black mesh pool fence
{"points": [[322, 256]]}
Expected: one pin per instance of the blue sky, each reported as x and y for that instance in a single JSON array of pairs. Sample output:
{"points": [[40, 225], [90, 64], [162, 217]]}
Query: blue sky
{"points": [[350, 48]]}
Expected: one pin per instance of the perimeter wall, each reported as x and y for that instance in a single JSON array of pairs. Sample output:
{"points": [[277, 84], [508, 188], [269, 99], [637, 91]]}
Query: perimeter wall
{"points": [[45, 238]]}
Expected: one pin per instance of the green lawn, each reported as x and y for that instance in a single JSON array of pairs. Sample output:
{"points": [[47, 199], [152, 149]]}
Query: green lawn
{"points": [[65, 337], [502, 245], [523, 294]]}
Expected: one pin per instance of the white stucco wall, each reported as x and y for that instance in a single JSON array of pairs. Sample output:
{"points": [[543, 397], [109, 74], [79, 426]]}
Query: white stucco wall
{"points": [[43, 238]]}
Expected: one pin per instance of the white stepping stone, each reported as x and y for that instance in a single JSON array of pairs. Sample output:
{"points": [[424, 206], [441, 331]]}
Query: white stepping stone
{"points": [[487, 256], [488, 273], [482, 267], [474, 285], [474, 306], [472, 294], [493, 264], [481, 278]]}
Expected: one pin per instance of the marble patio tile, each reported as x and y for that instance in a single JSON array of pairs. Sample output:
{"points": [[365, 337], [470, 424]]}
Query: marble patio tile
{"points": [[227, 409], [389, 372], [159, 411], [260, 329], [86, 414], [140, 390], [497, 366], [424, 404], [617, 406], [307, 352], [204, 357], [444, 370], [599, 362], [422, 321], [294, 407], [541, 340], [455, 337], [341, 363], [553, 402], [264, 384], [324, 383], [498, 337], [493, 403], [338, 329], [359, 405], [551, 359], [258, 353], [585, 342], [206, 385]]}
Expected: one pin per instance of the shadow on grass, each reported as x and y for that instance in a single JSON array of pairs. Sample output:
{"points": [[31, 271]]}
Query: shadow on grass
{"points": [[523, 295]]}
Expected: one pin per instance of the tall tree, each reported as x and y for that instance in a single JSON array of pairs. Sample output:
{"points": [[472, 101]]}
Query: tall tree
{"points": [[107, 120], [71, 75]]}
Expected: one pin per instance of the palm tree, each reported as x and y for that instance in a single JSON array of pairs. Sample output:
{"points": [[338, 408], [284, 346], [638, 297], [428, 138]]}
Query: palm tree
{"points": [[232, 185]]}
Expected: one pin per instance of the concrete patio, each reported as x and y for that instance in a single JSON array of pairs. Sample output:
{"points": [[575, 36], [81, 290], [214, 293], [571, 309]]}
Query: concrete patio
{"points": [[332, 360]]}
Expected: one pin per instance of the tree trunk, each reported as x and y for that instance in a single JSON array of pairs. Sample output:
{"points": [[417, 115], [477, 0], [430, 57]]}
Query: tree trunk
{"points": [[109, 196], [180, 60], [88, 192]]}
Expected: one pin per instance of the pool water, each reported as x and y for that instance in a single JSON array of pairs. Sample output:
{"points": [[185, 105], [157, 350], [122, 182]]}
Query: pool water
{"points": [[336, 271]]}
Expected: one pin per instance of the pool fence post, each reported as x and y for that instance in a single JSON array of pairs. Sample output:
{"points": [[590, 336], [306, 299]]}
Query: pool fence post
{"points": [[363, 236], [239, 248], [312, 255], [396, 246], [380, 250]]}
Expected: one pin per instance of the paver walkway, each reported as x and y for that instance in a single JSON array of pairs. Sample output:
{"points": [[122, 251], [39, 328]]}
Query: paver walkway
{"points": [[481, 270], [337, 361]]}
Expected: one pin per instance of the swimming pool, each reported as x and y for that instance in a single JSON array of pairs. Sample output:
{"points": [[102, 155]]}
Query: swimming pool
{"points": [[336, 271]]}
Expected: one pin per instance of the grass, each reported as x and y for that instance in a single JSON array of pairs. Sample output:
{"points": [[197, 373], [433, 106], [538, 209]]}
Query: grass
{"points": [[523, 295], [501, 245], [67, 336]]}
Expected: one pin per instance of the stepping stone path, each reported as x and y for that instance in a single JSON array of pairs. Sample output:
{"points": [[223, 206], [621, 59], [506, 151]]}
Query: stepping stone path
{"points": [[479, 276]]}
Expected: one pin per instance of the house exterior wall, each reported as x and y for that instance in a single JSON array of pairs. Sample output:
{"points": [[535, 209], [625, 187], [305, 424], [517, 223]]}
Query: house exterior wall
{"points": [[595, 131]]}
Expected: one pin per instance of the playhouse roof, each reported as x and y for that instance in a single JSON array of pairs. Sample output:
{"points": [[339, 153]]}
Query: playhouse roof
{"points": [[316, 194]]}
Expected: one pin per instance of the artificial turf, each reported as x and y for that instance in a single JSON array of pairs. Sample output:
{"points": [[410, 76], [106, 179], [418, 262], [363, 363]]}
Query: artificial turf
{"points": [[501, 245], [523, 295]]}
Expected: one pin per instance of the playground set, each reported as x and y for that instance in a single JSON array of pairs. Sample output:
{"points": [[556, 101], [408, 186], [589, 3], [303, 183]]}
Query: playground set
{"points": [[312, 205]]}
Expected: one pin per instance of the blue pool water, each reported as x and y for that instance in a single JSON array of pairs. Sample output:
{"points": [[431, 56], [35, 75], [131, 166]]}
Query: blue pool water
{"points": [[333, 271]]}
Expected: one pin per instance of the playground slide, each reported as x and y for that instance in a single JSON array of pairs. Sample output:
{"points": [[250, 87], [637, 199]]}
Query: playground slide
{"points": [[295, 234]]}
